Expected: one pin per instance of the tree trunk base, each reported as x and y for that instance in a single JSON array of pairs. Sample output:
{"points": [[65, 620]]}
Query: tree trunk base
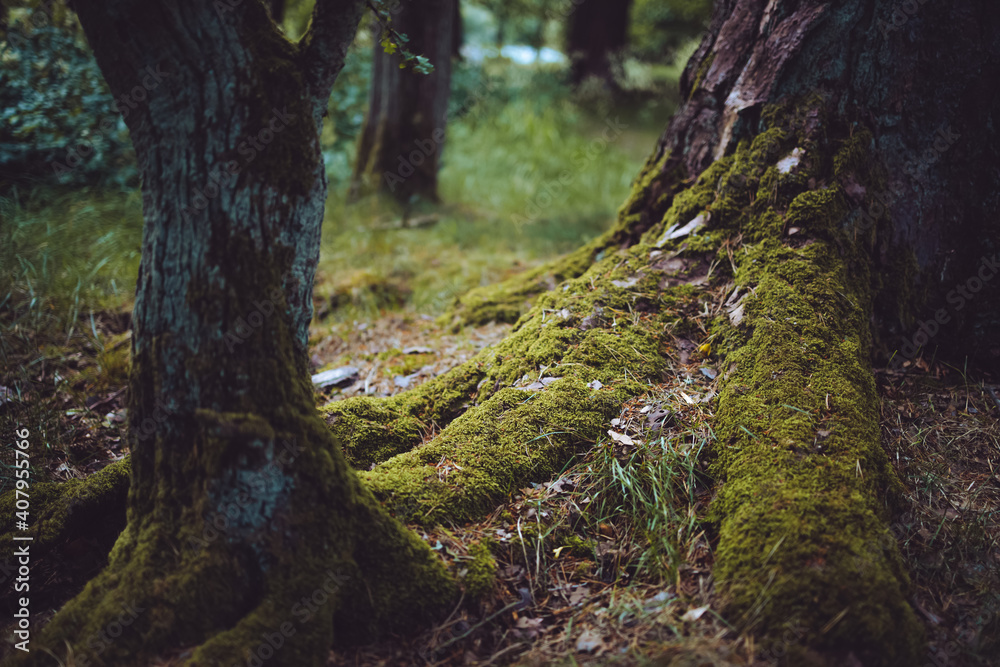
{"points": [[195, 589]]}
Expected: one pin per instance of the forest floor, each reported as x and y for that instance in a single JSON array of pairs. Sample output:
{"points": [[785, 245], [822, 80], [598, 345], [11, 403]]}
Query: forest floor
{"points": [[610, 563], [580, 576]]}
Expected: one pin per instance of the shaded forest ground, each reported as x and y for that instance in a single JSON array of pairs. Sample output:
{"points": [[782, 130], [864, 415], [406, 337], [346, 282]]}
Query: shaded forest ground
{"points": [[609, 562]]}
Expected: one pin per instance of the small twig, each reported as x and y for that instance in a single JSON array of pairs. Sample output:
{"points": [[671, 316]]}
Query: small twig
{"points": [[114, 396], [478, 625]]}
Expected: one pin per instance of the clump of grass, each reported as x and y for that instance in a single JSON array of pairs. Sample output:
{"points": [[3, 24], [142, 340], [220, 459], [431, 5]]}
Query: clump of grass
{"points": [[68, 266], [64, 254], [654, 488]]}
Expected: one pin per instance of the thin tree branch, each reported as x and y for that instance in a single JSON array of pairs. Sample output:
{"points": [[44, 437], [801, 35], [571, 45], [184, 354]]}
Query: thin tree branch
{"points": [[325, 46]]}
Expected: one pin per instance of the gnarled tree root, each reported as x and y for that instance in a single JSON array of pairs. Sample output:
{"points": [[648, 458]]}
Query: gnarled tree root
{"points": [[175, 587], [806, 490], [63, 511]]}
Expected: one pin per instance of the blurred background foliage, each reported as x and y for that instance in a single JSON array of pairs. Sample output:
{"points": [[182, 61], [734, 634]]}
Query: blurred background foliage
{"points": [[70, 238], [658, 30], [58, 120]]}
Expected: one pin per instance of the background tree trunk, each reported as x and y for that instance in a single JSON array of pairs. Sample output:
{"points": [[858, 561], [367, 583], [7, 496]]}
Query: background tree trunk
{"points": [[399, 152], [241, 504], [596, 33]]}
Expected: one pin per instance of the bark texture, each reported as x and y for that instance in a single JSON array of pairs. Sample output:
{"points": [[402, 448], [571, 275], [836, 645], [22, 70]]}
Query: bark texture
{"points": [[399, 152], [918, 76], [244, 521]]}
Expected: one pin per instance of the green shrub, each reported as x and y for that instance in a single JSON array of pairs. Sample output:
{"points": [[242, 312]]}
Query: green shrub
{"points": [[58, 120]]}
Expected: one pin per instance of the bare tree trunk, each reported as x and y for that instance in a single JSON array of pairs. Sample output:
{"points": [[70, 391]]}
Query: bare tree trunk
{"points": [[597, 32], [399, 152], [241, 504]]}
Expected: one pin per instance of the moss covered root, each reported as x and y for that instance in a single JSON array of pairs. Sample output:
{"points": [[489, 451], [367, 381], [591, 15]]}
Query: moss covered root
{"points": [[375, 429], [195, 591], [547, 391], [61, 512], [806, 487]]}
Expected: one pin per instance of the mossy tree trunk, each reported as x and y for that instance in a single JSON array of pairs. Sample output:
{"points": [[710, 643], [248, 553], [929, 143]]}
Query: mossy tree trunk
{"points": [[247, 533], [399, 152], [918, 76]]}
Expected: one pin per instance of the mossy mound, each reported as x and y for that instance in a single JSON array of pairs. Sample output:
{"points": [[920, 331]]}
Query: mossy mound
{"points": [[65, 510]]}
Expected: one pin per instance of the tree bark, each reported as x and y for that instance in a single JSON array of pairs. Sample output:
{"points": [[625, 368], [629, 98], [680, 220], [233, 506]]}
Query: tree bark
{"points": [[277, 10], [244, 521], [399, 152], [597, 31]]}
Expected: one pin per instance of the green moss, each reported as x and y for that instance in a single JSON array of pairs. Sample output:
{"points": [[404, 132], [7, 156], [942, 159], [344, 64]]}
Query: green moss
{"points": [[576, 546], [61, 512], [512, 438], [410, 363], [518, 431], [699, 76], [373, 430], [480, 572], [508, 300], [807, 487]]}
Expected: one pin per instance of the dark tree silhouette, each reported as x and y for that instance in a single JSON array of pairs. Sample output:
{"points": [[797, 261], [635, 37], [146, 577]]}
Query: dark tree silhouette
{"points": [[399, 152], [596, 33]]}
